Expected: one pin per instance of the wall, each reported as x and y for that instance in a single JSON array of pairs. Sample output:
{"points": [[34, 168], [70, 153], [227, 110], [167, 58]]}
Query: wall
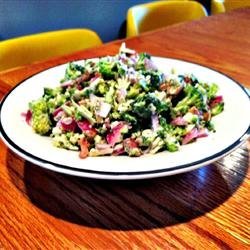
{"points": [[21, 17], [106, 17]]}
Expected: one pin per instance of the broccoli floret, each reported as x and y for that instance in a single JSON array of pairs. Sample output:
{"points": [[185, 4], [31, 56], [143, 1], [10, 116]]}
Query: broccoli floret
{"points": [[156, 78], [170, 134], [56, 102], [146, 104], [193, 98], [110, 94], [129, 118], [172, 146], [39, 106], [40, 120], [211, 90], [217, 109], [160, 106], [121, 70], [210, 126], [142, 110], [141, 61], [86, 92], [164, 124], [54, 98], [108, 70], [134, 91], [64, 141], [148, 136], [102, 88], [73, 71], [50, 93], [41, 123]]}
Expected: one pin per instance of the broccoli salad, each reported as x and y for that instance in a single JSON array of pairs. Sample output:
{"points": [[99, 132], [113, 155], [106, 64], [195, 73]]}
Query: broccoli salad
{"points": [[124, 105]]}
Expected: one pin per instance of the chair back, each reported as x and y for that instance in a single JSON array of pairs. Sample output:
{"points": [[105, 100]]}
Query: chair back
{"points": [[222, 6], [150, 16], [28, 49]]}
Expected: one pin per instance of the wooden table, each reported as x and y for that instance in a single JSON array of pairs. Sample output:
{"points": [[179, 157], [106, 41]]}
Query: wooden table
{"points": [[204, 209]]}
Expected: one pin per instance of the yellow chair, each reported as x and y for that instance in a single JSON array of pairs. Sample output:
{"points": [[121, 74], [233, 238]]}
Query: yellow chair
{"points": [[222, 6], [27, 49], [149, 16]]}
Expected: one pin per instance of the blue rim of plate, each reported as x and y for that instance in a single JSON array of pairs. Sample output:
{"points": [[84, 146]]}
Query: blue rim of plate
{"points": [[197, 163]]}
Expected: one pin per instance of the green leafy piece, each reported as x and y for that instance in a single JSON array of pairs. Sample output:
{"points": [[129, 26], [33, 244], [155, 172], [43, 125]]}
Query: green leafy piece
{"points": [[73, 70], [141, 62], [156, 78], [217, 109], [102, 88], [193, 98], [50, 93], [172, 146], [147, 104], [108, 70], [83, 112], [67, 141], [109, 97], [141, 110], [134, 91], [129, 118], [211, 89], [148, 136]]}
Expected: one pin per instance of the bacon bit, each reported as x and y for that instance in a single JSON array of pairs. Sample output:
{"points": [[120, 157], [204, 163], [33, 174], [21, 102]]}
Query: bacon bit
{"points": [[163, 87], [83, 102], [98, 74], [194, 110], [187, 79], [130, 143], [76, 81], [131, 147], [94, 76], [115, 135], [207, 116], [83, 143], [84, 77], [215, 101], [87, 128]]}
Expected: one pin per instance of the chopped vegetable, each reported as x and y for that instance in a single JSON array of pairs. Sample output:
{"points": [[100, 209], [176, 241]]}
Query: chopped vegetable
{"points": [[124, 105]]}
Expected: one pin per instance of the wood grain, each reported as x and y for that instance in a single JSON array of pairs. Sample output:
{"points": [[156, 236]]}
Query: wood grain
{"points": [[204, 209]]}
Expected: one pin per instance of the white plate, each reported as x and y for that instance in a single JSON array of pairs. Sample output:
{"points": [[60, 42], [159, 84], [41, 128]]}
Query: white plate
{"points": [[232, 128]]}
